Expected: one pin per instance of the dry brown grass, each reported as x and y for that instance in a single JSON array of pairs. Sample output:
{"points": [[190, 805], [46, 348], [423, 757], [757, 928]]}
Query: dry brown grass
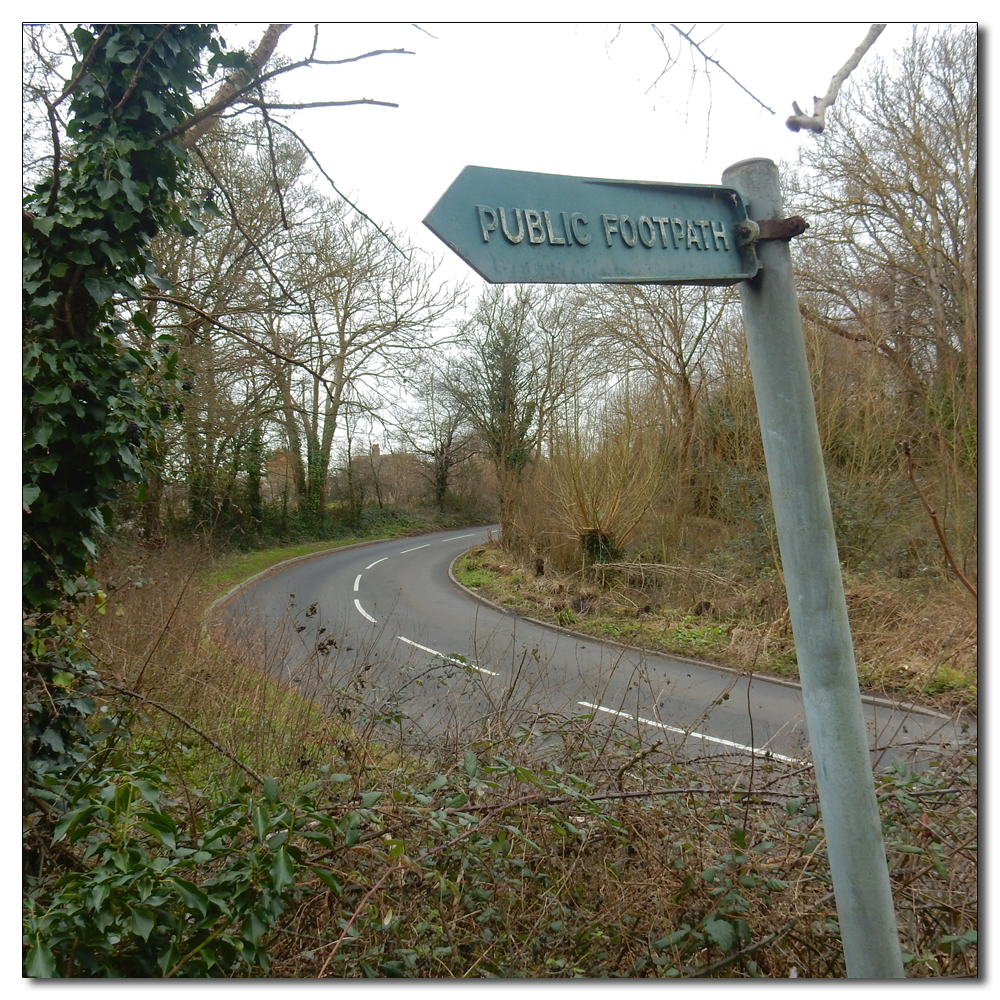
{"points": [[151, 640]]}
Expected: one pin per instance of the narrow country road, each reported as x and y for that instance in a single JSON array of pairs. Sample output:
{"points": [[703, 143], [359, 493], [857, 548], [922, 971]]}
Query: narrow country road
{"points": [[379, 632]]}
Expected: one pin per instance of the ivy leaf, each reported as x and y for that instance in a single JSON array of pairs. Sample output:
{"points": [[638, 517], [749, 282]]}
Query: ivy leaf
{"points": [[71, 819], [123, 222], [132, 194], [143, 324], [40, 963], [194, 898], [159, 281], [143, 922], [44, 224], [29, 494], [107, 189], [100, 289]]}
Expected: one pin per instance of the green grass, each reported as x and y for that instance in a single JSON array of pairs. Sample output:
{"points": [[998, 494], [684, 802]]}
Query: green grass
{"points": [[234, 569]]}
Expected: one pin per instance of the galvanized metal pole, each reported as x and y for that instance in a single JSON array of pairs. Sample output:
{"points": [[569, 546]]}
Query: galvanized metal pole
{"points": [[818, 609]]}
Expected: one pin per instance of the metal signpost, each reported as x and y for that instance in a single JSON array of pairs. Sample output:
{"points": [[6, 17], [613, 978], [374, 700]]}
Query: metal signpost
{"points": [[513, 226]]}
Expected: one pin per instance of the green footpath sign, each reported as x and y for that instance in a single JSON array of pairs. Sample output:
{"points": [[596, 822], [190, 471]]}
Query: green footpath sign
{"points": [[517, 226]]}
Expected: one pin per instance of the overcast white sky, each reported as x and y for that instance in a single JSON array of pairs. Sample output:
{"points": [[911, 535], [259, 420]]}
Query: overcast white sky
{"points": [[557, 97]]}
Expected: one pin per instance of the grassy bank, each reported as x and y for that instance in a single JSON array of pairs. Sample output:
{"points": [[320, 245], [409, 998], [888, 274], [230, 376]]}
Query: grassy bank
{"points": [[911, 642]]}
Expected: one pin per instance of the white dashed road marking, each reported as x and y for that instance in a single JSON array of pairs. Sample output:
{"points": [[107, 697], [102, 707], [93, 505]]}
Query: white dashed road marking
{"points": [[701, 736], [357, 604], [449, 659]]}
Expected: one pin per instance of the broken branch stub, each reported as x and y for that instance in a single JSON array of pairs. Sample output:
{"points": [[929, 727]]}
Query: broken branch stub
{"points": [[816, 122]]}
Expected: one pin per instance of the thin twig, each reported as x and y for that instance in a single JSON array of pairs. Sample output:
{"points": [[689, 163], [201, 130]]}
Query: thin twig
{"points": [[138, 70], [234, 216], [56, 155], [245, 337], [84, 65], [716, 62], [273, 163], [340, 194], [757, 945], [269, 106], [183, 961], [395, 868]]}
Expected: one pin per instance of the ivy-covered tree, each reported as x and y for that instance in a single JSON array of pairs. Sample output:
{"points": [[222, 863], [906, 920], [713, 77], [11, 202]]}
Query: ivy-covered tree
{"points": [[92, 410]]}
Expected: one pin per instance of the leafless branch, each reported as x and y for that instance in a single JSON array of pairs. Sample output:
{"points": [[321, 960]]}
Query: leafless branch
{"points": [[239, 334], [715, 62], [137, 72], [817, 120], [208, 739], [269, 106], [195, 127], [273, 163], [235, 89], [220, 184], [56, 153], [340, 194], [350, 59]]}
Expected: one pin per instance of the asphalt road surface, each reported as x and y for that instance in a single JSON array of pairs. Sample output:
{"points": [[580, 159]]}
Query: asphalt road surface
{"points": [[379, 633]]}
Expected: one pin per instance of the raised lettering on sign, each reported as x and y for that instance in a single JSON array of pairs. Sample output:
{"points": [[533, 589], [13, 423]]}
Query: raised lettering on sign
{"points": [[567, 229]]}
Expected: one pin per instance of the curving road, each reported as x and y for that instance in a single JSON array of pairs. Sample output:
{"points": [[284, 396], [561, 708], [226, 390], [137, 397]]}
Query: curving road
{"points": [[380, 632]]}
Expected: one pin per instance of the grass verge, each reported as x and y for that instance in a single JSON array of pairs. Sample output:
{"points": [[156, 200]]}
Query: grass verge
{"points": [[909, 643]]}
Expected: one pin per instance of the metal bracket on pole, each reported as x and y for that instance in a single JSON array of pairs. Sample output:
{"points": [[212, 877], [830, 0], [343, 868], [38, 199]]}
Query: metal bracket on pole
{"points": [[750, 232], [830, 689]]}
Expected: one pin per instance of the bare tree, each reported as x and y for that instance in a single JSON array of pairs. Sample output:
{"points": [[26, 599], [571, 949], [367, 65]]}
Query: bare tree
{"points": [[437, 428], [367, 313], [520, 358], [665, 333]]}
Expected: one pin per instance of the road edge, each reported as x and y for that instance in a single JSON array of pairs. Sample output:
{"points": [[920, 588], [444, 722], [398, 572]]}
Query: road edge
{"points": [[223, 599]]}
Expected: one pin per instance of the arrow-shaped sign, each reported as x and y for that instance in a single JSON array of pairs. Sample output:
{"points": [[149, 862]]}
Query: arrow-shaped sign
{"points": [[516, 226]]}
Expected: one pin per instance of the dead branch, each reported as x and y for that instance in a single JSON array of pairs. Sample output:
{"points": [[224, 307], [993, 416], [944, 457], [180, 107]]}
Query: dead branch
{"points": [[208, 739], [272, 106], [84, 66], [817, 120], [240, 334], [340, 194], [715, 62], [662, 569], [932, 514]]}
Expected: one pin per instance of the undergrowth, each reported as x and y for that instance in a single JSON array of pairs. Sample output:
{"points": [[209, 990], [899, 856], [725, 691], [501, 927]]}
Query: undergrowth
{"points": [[213, 823]]}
